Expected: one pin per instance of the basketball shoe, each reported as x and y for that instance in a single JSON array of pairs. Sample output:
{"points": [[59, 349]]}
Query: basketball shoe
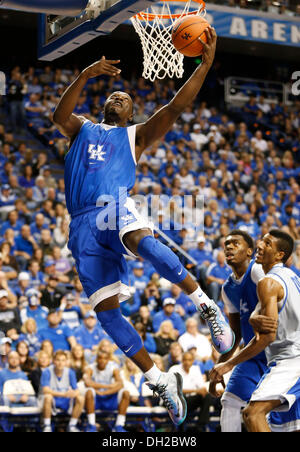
{"points": [[169, 389], [223, 337]]}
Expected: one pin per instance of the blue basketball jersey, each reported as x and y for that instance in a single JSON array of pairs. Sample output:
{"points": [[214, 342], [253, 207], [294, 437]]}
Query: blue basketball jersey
{"points": [[100, 162], [242, 295]]}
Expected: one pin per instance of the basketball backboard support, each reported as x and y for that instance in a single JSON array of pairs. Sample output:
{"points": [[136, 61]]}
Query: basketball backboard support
{"points": [[60, 35]]}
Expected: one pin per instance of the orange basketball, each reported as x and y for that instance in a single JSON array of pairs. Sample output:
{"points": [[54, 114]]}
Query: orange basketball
{"points": [[185, 34]]}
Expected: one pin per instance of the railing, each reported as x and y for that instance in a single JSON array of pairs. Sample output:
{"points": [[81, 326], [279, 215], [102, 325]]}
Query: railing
{"points": [[239, 89]]}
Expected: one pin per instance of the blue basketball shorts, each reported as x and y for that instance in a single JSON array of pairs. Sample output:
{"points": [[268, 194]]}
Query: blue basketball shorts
{"points": [[106, 403], [286, 421], [96, 243], [244, 380]]}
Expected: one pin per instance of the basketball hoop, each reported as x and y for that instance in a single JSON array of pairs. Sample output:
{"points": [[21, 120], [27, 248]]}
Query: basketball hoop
{"points": [[154, 26]]}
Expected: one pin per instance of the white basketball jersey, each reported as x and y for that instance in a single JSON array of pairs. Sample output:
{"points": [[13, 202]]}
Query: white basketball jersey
{"points": [[105, 376], [287, 343]]}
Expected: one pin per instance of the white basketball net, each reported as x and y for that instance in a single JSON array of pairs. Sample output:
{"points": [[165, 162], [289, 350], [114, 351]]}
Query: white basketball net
{"points": [[161, 59]]}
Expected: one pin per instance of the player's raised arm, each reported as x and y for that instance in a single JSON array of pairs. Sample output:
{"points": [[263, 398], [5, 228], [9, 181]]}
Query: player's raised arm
{"points": [[160, 122], [66, 121]]}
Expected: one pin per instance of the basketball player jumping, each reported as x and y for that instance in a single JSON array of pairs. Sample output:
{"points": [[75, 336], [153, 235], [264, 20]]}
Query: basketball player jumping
{"points": [[279, 298], [99, 172]]}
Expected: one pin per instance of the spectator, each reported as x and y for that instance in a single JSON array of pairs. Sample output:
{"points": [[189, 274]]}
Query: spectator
{"points": [[34, 310], [193, 338], [89, 334], [43, 361], [15, 96], [16, 397], [7, 200], [11, 298], [22, 287], [138, 280], [37, 279], [133, 379], [168, 313], [8, 260], [147, 338], [174, 356], [5, 349], [30, 336], [184, 305], [59, 334], [37, 226], [10, 322], [216, 276], [72, 311], [104, 392], [78, 362], [194, 390], [143, 316], [51, 295], [25, 246], [47, 347], [203, 258], [12, 222], [27, 363], [165, 336], [59, 389]]}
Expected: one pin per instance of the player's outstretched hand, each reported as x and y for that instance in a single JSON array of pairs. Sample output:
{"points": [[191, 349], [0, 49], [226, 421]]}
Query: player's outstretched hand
{"points": [[209, 47], [102, 67]]}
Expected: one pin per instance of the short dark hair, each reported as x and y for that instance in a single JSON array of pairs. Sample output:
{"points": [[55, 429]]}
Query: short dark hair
{"points": [[285, 243], [245, 236]]}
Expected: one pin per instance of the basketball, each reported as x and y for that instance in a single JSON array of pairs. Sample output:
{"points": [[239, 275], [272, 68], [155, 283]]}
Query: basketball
{"points": [[185, 34]]}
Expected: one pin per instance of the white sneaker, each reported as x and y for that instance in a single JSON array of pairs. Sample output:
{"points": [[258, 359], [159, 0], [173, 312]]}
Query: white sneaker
{"points": [[47, 429], [72, 429], [222, 336], [169, 389]]}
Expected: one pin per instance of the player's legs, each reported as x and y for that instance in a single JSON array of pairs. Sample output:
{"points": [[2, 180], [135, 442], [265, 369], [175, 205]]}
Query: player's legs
{"points": [[231, 417], [47, 411], [286, 422], [167, 264], [123, 404], [242, 383], [255, 415], [78, 404], [90, 410], [168, 386]]}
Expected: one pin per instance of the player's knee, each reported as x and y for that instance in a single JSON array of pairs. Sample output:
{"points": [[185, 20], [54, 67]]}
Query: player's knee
{"points": [[79, 400], [132, 239], [89, 395], [249, 414], [126, 396], [48, 398]]}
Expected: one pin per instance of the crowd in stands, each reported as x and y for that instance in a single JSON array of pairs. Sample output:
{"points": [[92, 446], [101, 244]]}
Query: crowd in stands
{"points": [[244, 166], [283, 7]]}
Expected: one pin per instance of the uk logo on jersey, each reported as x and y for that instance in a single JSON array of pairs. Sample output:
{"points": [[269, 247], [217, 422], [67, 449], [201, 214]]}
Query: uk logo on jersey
{"points": [[244, 307], [96, 153]]}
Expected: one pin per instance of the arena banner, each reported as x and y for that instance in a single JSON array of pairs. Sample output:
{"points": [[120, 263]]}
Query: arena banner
{"points": [[250, 24]]}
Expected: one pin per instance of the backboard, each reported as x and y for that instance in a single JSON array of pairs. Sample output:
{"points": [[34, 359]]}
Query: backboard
{"points": [[60, 34]]}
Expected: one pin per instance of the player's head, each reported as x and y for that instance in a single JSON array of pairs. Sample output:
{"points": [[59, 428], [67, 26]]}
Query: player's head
{"points": [[60, 359], [118, 108], [102, 360], [238, 247], [275, 247]]}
